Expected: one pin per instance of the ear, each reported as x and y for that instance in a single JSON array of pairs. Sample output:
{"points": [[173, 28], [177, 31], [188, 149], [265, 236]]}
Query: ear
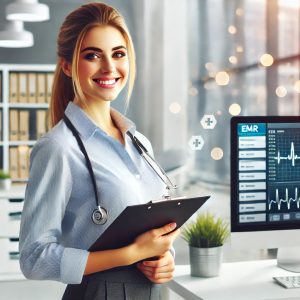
{"points": [[66, 67]]}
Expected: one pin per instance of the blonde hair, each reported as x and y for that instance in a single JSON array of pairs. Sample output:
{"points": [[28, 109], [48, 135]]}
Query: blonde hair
{"points": [[72, 32]]}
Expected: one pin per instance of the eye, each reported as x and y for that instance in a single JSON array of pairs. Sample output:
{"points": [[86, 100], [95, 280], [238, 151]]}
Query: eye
{"points": [[91, 56], [119, 54]]}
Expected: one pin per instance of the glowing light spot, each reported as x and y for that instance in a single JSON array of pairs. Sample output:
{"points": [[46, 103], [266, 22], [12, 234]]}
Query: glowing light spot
{"points": [[219, 112], [239, 49], [297, 86], [235, 109], [222, 78], [216, 153], [233, 59], [266, 60], [175, 107], [232, 29], [281, 91], [239, 12]]}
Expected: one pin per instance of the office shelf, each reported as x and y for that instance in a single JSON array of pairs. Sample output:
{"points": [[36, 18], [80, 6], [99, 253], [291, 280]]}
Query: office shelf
{"points": [[25, 91]]}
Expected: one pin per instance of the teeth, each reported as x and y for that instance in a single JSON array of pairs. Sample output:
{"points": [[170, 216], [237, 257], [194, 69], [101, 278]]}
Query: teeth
{"points": [[112, 81]]}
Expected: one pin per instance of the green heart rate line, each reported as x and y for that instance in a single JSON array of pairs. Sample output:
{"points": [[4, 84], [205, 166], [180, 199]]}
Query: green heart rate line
{"points": [[278, 201]]}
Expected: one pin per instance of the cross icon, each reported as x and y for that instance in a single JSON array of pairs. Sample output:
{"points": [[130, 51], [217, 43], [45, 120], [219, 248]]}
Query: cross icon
{"points": [[197, 142], [208, 121]]}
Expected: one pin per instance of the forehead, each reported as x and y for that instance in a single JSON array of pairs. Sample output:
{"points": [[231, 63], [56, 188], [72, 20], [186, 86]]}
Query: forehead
{"points": [[103, 37]]}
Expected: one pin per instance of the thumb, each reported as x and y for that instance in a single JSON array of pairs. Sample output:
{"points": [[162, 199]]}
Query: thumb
{"points": [[165, 229]]}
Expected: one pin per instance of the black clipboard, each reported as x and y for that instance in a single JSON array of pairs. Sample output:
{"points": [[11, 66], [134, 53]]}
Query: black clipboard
{"points": [[136, 219]]}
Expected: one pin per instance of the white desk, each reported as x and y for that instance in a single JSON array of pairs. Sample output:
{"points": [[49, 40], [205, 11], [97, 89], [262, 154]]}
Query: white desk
{"points": [[251, 280]]}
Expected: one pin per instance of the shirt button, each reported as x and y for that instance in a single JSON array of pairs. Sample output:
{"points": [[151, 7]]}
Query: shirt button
{"points": [[137, 176]]}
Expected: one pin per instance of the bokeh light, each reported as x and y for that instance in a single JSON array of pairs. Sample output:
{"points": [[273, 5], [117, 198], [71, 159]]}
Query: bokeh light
{"points": [[175, 107], [281, 91], [222, 78], [266, 60], [216, 153], [235, 109]]}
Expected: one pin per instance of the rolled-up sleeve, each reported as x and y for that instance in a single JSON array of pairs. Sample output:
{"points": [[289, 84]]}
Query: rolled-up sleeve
{"points": [[49, 188]]}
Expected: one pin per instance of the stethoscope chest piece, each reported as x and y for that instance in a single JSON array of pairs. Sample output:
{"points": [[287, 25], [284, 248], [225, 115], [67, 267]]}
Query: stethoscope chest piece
{"points": [[99, 218]]}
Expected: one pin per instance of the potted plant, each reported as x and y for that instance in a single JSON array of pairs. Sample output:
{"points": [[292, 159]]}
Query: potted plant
{"points": [[5, 181], [206, 236]]}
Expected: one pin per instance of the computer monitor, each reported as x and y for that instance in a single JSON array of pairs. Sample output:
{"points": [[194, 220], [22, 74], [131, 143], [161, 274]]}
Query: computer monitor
{"points": [[265, 186]]}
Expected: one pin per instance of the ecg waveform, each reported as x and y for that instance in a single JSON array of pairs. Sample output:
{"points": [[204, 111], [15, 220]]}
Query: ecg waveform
{"points": [[278, 201], [292, 156]]}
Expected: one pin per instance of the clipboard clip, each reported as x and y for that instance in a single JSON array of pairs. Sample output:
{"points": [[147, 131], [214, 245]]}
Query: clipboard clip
{"points": [[164, 198]]}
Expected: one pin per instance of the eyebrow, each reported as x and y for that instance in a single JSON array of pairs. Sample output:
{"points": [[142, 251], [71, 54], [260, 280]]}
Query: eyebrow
{"points": [[99, 50]]}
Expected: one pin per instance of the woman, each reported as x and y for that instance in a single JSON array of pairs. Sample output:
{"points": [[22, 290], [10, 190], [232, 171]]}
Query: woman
{"points": [[59, 220]]}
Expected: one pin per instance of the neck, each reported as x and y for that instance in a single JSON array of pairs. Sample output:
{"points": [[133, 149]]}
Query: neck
{"points": [[99, 112]]}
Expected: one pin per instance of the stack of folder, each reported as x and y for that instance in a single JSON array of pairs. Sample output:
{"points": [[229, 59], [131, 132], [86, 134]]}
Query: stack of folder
{"points": [[27, 124], [30, 87], [19, 162]]}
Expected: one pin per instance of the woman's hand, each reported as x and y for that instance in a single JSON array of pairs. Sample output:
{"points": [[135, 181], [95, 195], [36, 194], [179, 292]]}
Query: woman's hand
{"points": [[160, 270], [155, 242]]}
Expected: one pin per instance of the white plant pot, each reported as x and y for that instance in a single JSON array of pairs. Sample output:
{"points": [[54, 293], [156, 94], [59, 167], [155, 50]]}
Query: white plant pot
{"points": [[206, 262], [5, 184]]}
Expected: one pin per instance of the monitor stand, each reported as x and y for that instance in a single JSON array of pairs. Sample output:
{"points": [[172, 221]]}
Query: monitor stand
{"points": [[289, 259]]}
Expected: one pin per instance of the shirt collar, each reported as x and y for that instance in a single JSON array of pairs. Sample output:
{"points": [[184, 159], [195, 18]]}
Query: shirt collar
{"points": [[87, 127]]}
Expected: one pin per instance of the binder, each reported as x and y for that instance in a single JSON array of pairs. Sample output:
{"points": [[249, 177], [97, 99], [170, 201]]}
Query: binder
{"points": [[13, 162], [23, 125], [23, 92], [49, 86], [41, 87], [1, 94], [41, 123], [23, 167], [1, 136], [13, 125], [13, 87], [136, 219], [32, 88]]}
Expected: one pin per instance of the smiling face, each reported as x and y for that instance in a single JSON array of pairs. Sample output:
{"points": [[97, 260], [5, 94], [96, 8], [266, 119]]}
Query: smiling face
{"points": [[103, 65]]}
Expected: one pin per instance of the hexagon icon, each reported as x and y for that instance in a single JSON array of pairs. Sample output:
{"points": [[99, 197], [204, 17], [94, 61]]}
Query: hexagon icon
{"points": [[208, 122], [196, 142]]}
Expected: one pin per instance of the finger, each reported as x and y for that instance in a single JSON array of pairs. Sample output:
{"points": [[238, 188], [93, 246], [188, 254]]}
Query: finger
{"points": [[164, 229], [155, 263], [158, 276], [174, 234], [164, 269]]}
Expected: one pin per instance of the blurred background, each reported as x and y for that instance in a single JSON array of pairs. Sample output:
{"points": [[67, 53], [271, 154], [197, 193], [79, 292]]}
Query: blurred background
{"points": [[199, 62]]}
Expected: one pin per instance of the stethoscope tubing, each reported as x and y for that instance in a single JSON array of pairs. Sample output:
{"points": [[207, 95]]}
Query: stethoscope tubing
{"points": [[102, 218]]}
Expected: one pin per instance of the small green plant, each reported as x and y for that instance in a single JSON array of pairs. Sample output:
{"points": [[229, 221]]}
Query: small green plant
{"points": [[206, 232], [4, 175]]}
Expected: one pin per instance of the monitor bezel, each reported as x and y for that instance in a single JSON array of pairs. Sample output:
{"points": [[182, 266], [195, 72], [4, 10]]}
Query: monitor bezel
{"points": [[235, 226]]}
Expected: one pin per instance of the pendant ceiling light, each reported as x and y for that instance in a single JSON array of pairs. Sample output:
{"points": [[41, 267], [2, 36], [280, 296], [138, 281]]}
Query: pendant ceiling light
{"points": [[28, 11], [14, 36]]}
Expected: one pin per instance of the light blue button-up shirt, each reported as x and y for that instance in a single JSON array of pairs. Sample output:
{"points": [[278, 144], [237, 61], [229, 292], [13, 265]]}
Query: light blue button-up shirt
{"points": [[56, 226]]}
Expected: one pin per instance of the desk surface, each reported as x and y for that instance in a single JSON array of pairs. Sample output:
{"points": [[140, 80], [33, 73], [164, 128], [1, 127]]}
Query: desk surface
{"points": [[251, 280]]}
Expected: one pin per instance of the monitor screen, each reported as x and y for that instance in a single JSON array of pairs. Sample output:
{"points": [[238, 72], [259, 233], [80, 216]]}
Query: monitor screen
{"points": [[265, 173]]}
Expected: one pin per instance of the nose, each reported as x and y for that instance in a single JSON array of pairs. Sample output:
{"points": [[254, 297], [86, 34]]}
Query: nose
{"points": [[107, 65]]}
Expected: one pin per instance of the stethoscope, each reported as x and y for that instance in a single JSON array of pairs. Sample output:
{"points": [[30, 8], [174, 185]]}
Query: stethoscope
{"points": [[100, 215]]}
